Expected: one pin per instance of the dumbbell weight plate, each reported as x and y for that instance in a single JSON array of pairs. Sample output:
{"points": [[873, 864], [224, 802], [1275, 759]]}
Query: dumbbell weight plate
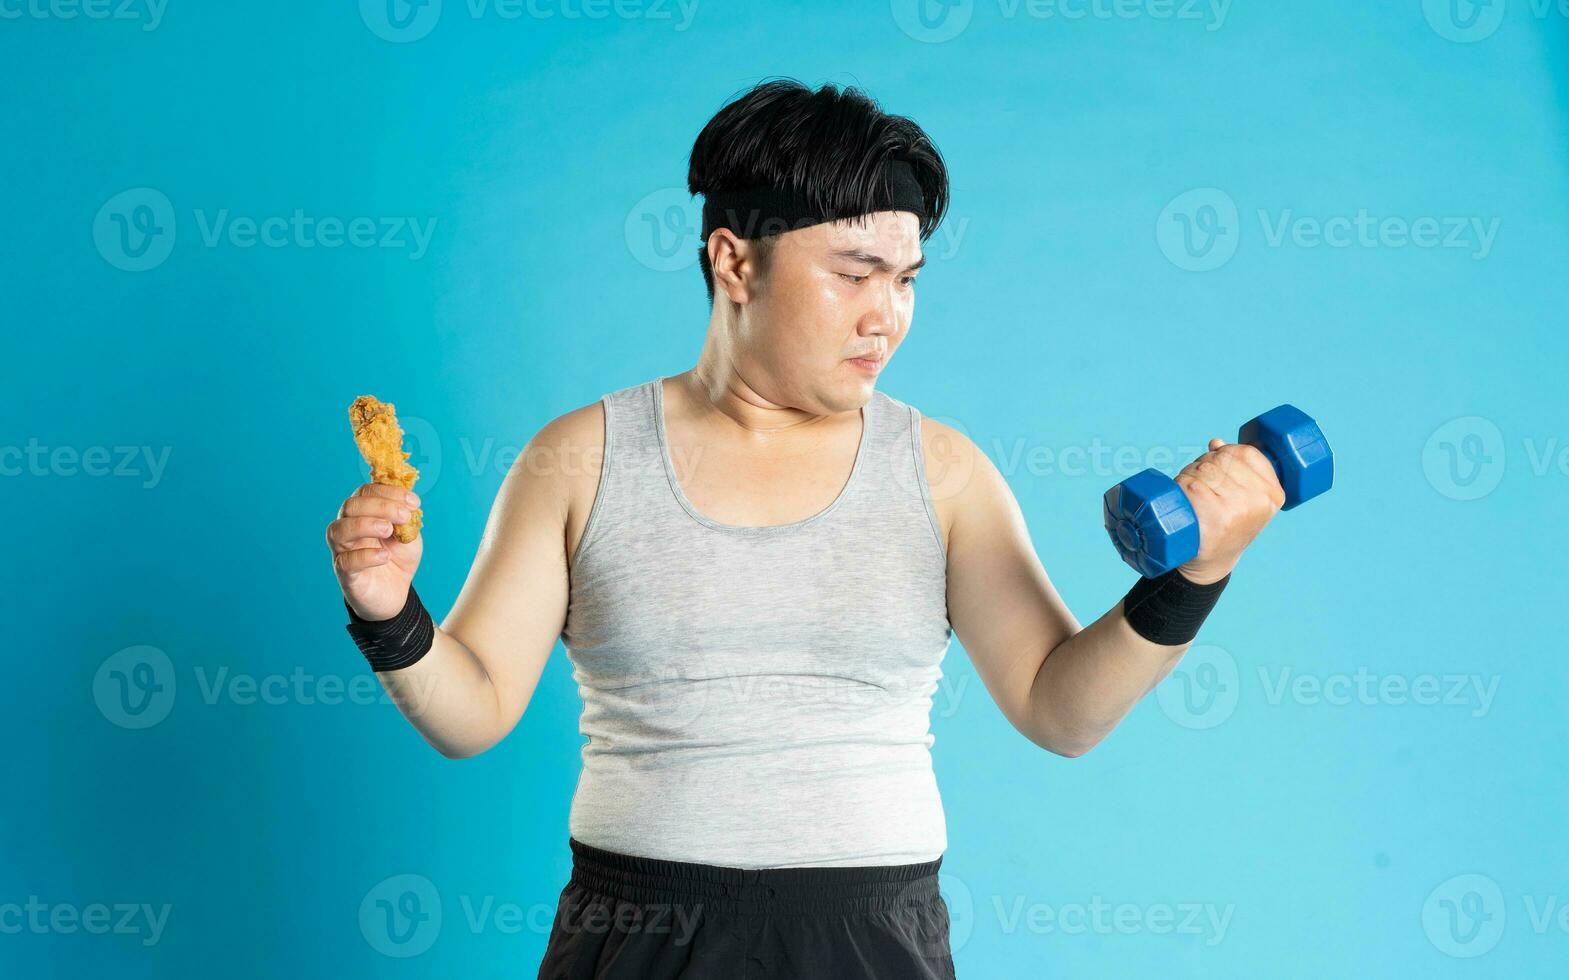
{"points": [[1296, 448], [1151, 522]]}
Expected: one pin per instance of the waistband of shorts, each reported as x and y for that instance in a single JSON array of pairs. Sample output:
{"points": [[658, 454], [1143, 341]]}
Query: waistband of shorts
{"points": [[775, 891]]}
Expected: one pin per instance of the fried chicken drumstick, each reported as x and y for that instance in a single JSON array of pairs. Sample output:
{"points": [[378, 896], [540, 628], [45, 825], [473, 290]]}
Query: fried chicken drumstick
{"points": [[380, 438]]}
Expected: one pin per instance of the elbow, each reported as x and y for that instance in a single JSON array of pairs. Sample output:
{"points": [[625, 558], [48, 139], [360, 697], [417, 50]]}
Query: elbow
{"points": [[461, 750], [1067, 746]]}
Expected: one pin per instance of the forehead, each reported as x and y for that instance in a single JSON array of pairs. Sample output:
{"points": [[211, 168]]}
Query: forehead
{"points": [[894, 235]]}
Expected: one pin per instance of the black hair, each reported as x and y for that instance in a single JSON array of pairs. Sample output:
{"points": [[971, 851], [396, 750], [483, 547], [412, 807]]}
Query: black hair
{"points": [[828, 146]]}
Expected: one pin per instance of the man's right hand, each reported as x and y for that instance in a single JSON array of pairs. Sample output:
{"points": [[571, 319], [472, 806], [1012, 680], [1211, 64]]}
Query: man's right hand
{"points": [[373, 567]]}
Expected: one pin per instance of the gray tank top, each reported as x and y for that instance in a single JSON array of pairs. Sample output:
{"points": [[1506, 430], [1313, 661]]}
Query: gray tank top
{"points": [[758, 697]]}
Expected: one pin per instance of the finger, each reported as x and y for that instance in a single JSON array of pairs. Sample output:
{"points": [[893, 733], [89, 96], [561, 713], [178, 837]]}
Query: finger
{"points": [[344, 530], [1232, 467], [1261, 465], [1215, 444], [1251, 469], [1210, 471], [1196, 489], [359, 559], [394, 510], [390, 492]]}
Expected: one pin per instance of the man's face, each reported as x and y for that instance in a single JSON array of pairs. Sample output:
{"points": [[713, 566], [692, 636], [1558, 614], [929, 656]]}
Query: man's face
{"points": [[832, 292]]}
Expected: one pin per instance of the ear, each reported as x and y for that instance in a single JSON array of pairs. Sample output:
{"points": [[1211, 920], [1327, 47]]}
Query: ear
{"points": [[736, 265]]}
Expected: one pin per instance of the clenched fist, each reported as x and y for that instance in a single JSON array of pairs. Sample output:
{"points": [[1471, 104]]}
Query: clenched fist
{"points": [[1234, 493], [373, 567]]}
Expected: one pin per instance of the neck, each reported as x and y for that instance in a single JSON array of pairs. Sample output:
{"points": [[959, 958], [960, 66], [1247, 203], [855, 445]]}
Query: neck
{"points": [[721, 391]]}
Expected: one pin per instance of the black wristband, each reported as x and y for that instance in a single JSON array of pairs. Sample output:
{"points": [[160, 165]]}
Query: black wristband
{"points": [[392, 644], [1168, 609]]}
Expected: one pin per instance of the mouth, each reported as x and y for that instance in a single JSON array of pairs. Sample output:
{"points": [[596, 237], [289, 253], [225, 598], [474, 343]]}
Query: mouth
{"points": [[872, 364]]}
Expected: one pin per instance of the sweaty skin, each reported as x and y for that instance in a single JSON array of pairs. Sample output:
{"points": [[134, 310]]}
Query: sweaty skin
{"points": [[380, 438]]}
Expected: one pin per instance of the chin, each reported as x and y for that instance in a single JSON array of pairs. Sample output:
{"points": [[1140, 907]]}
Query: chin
{"points": [[861, 393]]}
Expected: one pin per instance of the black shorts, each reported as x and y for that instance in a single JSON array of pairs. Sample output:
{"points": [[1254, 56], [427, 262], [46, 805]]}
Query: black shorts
{"points": [[630, 917]]}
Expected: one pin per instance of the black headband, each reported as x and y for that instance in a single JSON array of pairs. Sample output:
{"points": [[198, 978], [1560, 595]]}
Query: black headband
{"points": [[755, 212]]}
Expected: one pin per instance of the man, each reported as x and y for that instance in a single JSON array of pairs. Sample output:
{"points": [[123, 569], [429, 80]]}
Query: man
{"points": [[756, 567]]}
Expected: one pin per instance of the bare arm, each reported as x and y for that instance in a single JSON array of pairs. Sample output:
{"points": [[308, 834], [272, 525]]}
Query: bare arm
{"points": [[471, 689], [1063, 687]]}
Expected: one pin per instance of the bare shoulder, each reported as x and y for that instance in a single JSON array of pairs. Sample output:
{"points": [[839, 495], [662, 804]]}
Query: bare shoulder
{"points": [[578, 433]]}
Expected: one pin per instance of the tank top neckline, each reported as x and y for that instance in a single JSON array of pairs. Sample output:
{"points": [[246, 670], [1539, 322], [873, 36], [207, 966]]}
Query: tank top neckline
{"points": [[675, 484]]}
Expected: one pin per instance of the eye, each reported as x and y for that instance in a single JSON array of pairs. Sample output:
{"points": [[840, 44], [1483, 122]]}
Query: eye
{"points": [[855, 279], [908, 280]]}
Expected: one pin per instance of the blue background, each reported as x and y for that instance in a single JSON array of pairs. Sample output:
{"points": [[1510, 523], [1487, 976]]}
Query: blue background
{"points": [[1062, 309]]}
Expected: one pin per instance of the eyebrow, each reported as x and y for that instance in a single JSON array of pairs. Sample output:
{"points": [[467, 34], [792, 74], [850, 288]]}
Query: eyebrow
{"points": [[876, 261]]}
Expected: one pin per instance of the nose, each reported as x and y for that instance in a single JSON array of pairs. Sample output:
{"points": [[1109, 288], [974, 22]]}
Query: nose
{"points": [[887, 309]]}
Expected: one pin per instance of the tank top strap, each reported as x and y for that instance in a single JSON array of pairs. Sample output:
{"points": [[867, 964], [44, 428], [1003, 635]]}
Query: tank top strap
{"points": [[890, 490], [885, 463], [631, 466]]}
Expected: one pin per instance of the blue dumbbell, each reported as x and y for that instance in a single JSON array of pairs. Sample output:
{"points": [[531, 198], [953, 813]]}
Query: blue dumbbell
{"points": [[1153, 525]]}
